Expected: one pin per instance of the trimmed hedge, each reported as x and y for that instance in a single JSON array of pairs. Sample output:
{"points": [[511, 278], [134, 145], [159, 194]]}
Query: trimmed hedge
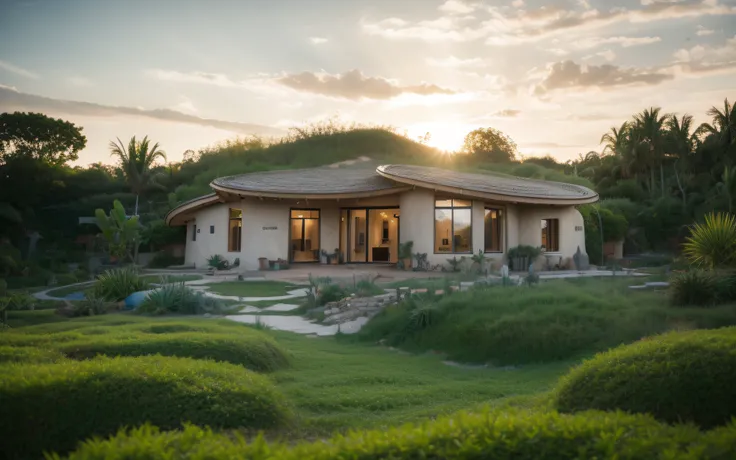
{"points": [[251, 349], [28, 355], [486, 435], [51, 407], [681, 376]]}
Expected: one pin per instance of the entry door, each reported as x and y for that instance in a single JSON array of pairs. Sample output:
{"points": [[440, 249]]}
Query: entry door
{"points": [[358, 235]]}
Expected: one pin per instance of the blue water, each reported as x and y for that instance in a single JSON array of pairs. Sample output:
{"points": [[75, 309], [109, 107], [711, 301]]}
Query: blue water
{"points": [[75, 296]]}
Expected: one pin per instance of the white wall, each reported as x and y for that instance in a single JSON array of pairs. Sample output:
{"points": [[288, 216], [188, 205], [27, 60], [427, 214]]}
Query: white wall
{"points": [[265, 232], [530, 228], [207, 244]]}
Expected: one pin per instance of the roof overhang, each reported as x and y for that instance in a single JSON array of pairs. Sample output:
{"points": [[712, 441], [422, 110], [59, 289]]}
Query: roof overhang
{"points": [[178, 215], [559, 201], [309, 196]]}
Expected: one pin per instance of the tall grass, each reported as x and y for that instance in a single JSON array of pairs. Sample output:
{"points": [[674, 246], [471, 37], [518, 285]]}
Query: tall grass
{"points": [[554, 321]]}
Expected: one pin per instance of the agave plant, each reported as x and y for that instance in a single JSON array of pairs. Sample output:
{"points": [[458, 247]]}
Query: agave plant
{"points": [[712, 244], [119, 283], [178, 298]]}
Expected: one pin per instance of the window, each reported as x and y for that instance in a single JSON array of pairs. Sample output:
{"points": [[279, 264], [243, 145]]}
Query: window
{"points": [[550, 235], [304, 234], [492, 229], [452, 226], [194, 232], [212, 229], [235, 230]]}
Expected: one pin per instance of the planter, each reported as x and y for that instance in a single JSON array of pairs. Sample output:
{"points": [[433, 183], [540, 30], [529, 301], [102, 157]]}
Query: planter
{"points": [[263, 263]]}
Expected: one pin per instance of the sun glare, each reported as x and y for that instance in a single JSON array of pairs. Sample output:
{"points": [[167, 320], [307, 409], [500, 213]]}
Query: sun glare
{"points": [[446, 137]]}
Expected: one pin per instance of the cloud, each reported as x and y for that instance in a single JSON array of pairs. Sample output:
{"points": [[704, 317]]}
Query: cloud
{"points": [[11, 99], [454, 62], [625, 42], [507, 113], [354, 85], [185, 105], [317, 40], [702, 59], [456, 7], [608, 55], [517, 3], [205, 78], [505, 26], [18, 70], [702, 31], [79, 81], [570, 75]]}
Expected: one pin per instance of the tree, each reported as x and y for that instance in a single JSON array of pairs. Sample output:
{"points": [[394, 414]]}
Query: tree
{"points": [[490, 144], [34, 135], [120, 232], [649, 134], [680, 143], [723, 124], [136, 162]]}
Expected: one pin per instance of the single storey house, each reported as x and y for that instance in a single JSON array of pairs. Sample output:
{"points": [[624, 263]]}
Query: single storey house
{"points": [[363, 214]]}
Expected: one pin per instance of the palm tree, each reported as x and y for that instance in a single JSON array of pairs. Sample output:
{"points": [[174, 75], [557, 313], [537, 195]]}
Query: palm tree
{"points": [[136, 163], [681, 143], [723, 125], [618, 143], [649, 135]]}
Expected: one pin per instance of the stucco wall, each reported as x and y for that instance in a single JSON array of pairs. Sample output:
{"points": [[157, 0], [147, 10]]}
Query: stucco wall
{"points": [[266, 227], [530, 228]]}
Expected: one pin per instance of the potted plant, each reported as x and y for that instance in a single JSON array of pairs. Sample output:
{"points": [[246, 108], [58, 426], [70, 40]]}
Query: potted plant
{"points": [[406, 255], [521, 256]]}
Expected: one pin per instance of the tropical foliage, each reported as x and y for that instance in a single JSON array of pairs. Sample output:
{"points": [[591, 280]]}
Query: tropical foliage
{"points": [[136, 162], [121, 232], [712, 244]]}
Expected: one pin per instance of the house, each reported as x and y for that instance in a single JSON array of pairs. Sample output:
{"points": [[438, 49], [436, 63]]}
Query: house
{"points": [[364, 213]]}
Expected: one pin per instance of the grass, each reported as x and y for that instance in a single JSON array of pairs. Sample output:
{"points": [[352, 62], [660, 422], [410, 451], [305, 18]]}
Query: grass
{"points": [[170, 278], [413, 283], [557, 320], [337, 384], [19, 319], [252, 288]]}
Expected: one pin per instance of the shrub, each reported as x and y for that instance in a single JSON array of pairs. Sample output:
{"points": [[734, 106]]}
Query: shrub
{"points": [[331, 293], [693, 287], [118, 283], [10, 354], [712, 244], [250, 349], [685, 376], [177, 298], [165, 259], [91, 306], [367, 288], [218, 262], [485, 435], [65, 278], [53, 406]]}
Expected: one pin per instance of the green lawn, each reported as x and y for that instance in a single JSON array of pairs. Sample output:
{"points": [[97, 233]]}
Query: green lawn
{"points": [[17, 319], [170, 278], [252, 288], [338, 385]]}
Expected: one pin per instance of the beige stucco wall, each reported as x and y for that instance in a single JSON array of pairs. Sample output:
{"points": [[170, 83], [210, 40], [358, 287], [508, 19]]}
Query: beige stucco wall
{"points": [[521, 226]]}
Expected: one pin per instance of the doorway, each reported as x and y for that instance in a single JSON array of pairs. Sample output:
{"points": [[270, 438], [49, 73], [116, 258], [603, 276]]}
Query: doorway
{"points": [[304, 235], [371, 235]]}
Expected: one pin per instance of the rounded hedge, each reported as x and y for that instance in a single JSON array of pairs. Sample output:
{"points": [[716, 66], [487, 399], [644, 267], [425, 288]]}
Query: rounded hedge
{"points": [[250, 349], [28, 355], [492, 435], [51, 407], [679, 376]]}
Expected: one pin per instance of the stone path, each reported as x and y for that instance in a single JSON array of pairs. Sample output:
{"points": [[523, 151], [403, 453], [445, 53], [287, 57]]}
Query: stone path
{"points": [[294, 294], [300, 325]]}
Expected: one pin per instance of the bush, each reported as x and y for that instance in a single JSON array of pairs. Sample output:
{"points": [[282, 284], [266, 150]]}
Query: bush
{"points": [[165, 259], [51, 407], [10, 354], [91, 306], [693, 287], [331, 293], [250, 349], [712, 244], [485, 435], [557, 320], [218, 262], [177, 298], [118, 283], [686, 376]]}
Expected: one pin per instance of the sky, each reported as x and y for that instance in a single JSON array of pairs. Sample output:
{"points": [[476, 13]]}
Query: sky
{"points": [[554, 75]]}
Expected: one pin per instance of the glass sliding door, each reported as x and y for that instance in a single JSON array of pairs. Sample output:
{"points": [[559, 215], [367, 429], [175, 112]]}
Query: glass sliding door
{"points": [[304, 244], [358, 235], [383, 235]]}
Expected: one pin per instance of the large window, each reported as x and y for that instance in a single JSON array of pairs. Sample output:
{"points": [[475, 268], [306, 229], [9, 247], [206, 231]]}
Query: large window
{"points": [[550, 235], [492, 229], [304, 230], [235, 230], [452, 226]]}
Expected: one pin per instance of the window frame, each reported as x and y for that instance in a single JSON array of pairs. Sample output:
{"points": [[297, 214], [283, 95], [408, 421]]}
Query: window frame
{"points": [[452, 209], [549, 232], [319, 232], [230, 219], [501, 233]]}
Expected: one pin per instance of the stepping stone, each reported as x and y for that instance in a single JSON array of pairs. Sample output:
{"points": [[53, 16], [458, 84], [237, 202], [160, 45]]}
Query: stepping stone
{"points": [[250, 309], [282, 307]]}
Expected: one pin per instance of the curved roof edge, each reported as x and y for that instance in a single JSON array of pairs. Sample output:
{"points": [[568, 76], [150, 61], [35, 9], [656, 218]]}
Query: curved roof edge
{"points": [[174, 216], [309, 196], [383, 170]]}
